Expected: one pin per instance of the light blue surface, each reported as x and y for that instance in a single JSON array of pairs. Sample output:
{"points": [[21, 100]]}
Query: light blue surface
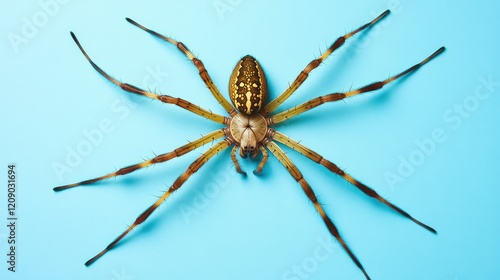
{"points": [[428, 143]]}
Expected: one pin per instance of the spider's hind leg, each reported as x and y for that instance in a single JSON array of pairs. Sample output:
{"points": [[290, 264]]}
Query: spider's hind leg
{"points": [[271, 106], [163, 98], [332, 97], [197, 63]]}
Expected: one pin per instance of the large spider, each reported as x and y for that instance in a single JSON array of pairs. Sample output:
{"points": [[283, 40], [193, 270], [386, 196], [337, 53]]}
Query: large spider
{"points": [[249, 128]]}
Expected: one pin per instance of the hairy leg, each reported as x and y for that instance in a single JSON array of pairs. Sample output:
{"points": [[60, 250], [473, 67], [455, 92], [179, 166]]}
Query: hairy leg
{"points": [[294, 171], [175, 186], [163, 98], [157, 159], [304, 107], [280, 137], [271, 106], [198, 63]]}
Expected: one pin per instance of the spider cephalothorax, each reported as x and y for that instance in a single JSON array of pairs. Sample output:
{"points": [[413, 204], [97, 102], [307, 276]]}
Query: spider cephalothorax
{"points": [[248, 131], [249, 127]]}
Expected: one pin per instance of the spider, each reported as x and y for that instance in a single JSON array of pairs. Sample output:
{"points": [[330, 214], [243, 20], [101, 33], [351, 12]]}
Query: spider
{"points": [[249, 128]]}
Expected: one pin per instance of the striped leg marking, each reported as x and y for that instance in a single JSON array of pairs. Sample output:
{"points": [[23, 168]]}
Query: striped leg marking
{"points": [[315, 63], [294, 171], [163, 98], [280, 137], [160, 158], [197, 63], [304, 107], [175, 186]]}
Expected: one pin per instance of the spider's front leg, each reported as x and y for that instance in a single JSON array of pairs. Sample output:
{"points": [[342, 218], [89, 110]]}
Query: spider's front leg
{"points": [[294, 171], [312, 155], [160, 158], [197, 164]]}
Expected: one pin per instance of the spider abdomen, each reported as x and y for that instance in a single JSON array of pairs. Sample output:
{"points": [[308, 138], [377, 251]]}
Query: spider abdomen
{"points": [[248, 86]]}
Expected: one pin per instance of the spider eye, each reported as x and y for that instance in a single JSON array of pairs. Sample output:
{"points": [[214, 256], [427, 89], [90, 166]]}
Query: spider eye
{"points": [[248, 86], [248, 149]]}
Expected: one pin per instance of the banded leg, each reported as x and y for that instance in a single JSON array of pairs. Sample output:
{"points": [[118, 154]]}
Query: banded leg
{"points": [[157, 159], [294, 171], [280, 137], [271, 106], [175, 186], [197, 63], [285, 115], [163, 98], [265, 156]]}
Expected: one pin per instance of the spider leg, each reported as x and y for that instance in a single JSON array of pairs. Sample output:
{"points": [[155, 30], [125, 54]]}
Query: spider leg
{"points": [[280, 137], [163, 98], [235, 161], [339, 96], [271, 106], [294, 171], [265, 156], [198, 63], [157, 159], [199, 162]]}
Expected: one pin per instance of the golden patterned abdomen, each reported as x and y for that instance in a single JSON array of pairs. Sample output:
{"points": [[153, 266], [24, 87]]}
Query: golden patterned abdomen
{"points": [[248, 86]]}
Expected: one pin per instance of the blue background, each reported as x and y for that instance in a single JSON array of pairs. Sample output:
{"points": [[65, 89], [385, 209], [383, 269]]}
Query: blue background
{"points": [[223, 226]]}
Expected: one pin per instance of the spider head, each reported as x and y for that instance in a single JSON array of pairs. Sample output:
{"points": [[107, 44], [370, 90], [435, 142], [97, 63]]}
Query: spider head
{"points": [[251, 150], [248, 144], [248, 86], [248, 131]]}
